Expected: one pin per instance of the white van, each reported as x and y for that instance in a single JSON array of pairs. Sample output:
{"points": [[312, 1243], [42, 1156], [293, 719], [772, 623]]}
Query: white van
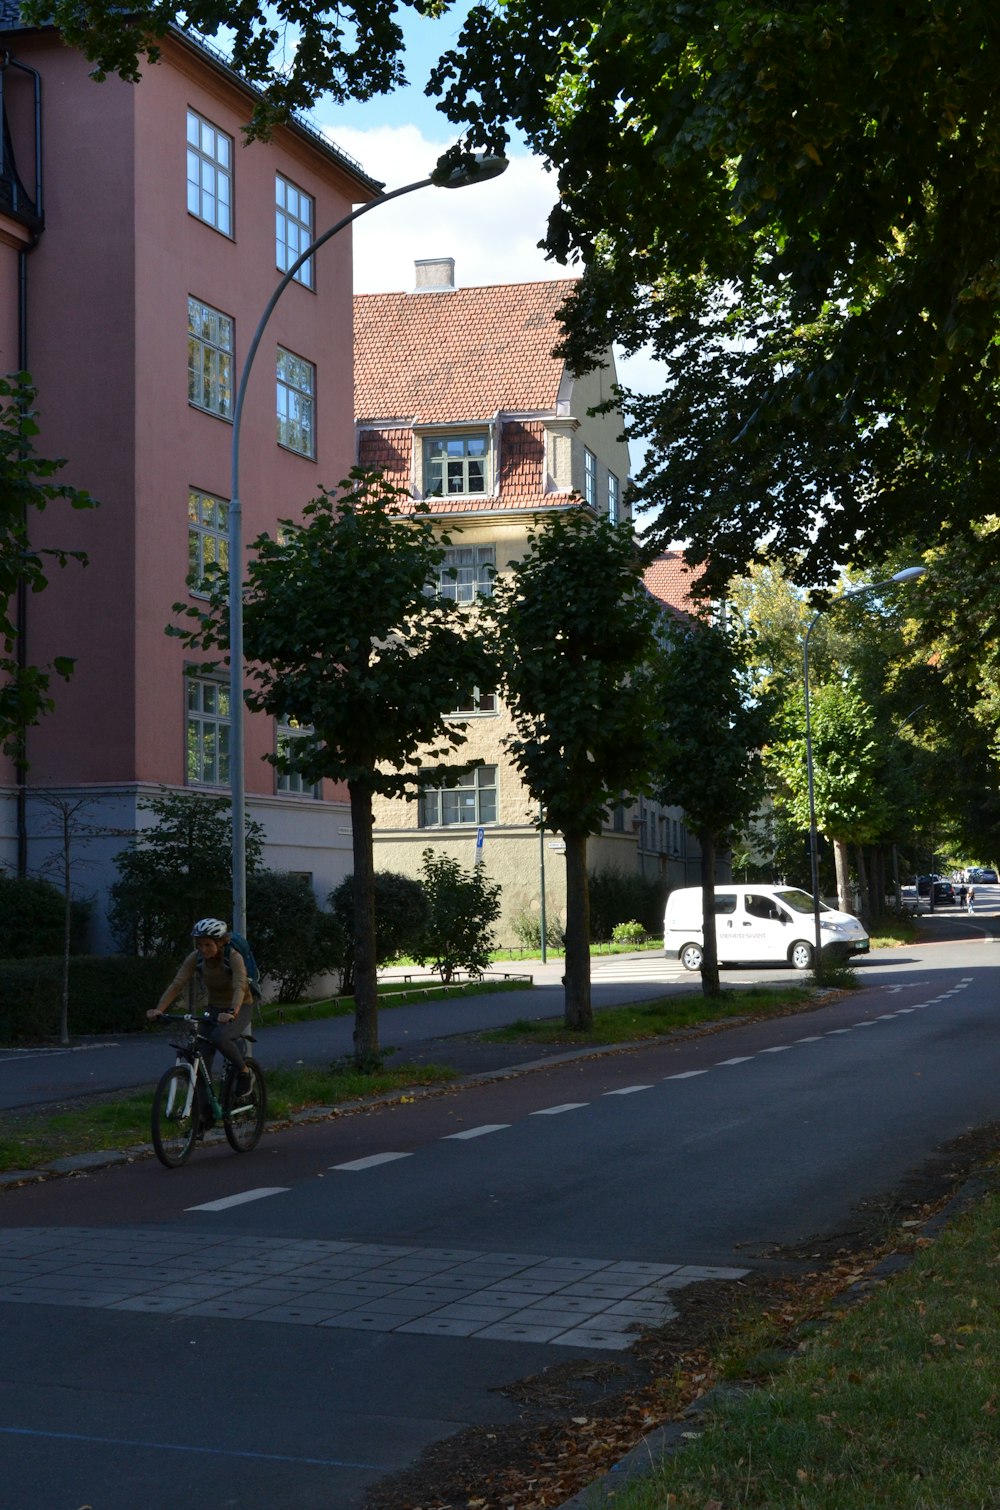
{"points": [[755, 924]]}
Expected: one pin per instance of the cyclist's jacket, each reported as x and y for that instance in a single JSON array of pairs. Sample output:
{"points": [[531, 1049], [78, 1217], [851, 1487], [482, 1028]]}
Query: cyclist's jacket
{"points": [[227, 989]]}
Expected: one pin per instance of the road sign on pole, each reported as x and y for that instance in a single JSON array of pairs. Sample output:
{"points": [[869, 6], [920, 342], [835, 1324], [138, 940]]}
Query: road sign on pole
{"points": [[480, 836]]}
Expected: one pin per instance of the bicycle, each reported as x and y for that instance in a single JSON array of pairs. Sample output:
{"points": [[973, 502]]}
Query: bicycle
{"points": [[186, 1101]]}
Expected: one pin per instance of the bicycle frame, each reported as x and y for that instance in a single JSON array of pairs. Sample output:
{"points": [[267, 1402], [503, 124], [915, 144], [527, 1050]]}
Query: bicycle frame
{"points": [[192, 1056]]}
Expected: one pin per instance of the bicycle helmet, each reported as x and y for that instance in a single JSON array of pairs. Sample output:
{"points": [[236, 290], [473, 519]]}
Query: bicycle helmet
{"points": [[209, 928]]}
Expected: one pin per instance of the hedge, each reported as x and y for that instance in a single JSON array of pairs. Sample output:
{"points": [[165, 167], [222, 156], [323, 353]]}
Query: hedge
{"points": [[107, 994]]}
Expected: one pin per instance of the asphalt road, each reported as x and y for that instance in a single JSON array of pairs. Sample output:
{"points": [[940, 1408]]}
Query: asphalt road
{"points": [[284, 1329]]}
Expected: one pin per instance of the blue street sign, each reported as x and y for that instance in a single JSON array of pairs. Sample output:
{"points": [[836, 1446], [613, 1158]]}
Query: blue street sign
{"points": [[480, 835]]}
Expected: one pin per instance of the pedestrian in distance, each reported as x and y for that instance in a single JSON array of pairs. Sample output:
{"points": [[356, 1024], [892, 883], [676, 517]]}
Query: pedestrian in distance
{"points": [[221, 974], [963, 892], [972, 899]]}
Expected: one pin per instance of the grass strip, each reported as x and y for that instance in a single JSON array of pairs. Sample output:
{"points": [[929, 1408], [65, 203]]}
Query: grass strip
{"points": [[31, 1139], [895, 1403], [391, 993], [652, 1019]]}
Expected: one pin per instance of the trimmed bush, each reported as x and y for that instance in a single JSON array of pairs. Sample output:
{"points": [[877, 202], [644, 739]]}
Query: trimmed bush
{"points": [[292, 939], [401, 912], [463, 905], [628, 933], [615, 895], [32, 916], [107, 994]]}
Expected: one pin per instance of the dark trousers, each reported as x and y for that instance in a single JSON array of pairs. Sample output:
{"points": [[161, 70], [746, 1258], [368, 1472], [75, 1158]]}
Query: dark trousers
{"points": [[224, 1035]]}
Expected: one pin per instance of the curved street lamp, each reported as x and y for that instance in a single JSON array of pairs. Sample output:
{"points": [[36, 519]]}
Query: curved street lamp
{"points": [[475, 169], [906, 575]]}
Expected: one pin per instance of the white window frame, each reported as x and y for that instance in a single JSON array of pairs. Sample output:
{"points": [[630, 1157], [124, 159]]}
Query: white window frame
{"points": [[479, 705], [208, 730], [208, 538], [471, 803], [296, 403], [294, 218], [466, 572], [210, 359], [209, 174], [457, 464], [293, 783], [589, 477], [614, 499]]}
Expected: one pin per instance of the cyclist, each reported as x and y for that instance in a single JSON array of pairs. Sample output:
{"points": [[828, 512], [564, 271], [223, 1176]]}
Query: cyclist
{"points": [[222, 975]]}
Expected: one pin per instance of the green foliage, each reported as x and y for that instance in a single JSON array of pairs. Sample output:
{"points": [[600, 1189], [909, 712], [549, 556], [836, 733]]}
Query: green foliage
{"points": [[575, 623], [108, 994], [628, 933], [616, 894], [462, 906], [343, 638], [292, 939], [527, 928], [400, 918], [177, 871], [32, 918], [25, 490]]}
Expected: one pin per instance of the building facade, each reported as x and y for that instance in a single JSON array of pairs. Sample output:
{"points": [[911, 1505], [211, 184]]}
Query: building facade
{"points": [[461, 402], [132, 297]]}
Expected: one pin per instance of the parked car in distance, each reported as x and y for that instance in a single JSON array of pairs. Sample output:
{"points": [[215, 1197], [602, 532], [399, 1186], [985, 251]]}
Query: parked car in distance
{"points": [[944, 891], [987, 876]]}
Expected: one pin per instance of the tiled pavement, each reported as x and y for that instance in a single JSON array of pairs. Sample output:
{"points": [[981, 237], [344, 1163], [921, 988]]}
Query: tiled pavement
{"points": [[572, 1302]]}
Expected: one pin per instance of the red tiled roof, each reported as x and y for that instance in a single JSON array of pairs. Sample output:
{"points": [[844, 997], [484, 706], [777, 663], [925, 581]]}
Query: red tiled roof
{"points": [[670, 579], [457, 354]]}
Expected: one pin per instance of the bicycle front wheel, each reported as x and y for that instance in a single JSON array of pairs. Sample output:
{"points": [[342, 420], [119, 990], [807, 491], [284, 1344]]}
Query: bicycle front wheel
{"points": [[175, 1117], [243, 1115]]}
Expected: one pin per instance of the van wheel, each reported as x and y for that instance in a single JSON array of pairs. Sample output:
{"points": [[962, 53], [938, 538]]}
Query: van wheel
{"points": [[691, 956], [801, 955]]}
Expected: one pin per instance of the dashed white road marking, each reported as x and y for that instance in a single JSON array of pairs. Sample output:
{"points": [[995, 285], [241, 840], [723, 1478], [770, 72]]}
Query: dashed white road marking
{"points": [[554, 1111], [628, 1090], [372, 1160], [779, 1048], [241, 1199], [686, 1075], [741, 1059], [834, 1031], [815, 1038], [477, 1132]]}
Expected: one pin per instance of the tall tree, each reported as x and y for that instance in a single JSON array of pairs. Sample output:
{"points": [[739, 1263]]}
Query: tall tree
{"points": [[26, 488], [344, 638], [576, 626], [711, 729]]}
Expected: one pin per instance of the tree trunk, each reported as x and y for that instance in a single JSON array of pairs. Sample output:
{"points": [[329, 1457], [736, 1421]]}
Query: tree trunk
{"points": [[366, 1046], [842, 862], [67, 928], [710, 983], [578, 1012], [865, 908]]}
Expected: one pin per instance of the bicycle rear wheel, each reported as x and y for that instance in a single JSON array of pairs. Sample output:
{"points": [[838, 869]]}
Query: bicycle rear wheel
{"points": [[175, 1121], [243, 1115]]}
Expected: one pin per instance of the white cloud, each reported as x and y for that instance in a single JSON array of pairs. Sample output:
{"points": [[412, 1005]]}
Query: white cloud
{"points": [[491, 229]]}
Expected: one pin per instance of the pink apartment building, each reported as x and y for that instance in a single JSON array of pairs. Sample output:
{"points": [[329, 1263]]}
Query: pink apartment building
{"points": [[132, 304]]}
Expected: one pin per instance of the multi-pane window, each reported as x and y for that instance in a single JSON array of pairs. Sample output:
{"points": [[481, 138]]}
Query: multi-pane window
{"points": [[208, 538], [614, 498], [208, 730], [293, 227], [472, 801], [456, 465], [209, 173], [589, 478], [479, 702], [296, 403], [293, 781], [210, 359], [467, 573]]}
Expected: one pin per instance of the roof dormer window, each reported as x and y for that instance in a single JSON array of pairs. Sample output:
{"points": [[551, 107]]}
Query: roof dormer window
{"points": [[457, 466]]}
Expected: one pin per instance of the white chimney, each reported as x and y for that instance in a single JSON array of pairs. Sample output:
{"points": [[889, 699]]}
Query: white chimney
{"points": [[434, 275]]}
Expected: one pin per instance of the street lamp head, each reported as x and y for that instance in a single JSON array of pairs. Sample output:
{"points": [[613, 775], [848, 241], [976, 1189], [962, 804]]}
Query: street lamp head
{"points": [[470, 168], [908, 573]]}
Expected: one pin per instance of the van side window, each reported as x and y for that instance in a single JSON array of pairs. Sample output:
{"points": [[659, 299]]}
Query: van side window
{"points": [[760, 907], [725, 901]]}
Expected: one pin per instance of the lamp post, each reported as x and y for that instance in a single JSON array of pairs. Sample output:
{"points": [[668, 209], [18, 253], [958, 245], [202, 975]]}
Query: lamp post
{"points": [[906, 575], [475, 170]]}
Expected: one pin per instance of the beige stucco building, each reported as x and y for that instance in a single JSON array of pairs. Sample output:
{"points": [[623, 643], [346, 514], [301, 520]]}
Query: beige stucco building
{"points": [[460, 400]]}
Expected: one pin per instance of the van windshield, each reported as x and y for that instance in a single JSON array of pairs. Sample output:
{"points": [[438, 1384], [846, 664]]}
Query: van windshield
{"points": [[799, 901]]}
